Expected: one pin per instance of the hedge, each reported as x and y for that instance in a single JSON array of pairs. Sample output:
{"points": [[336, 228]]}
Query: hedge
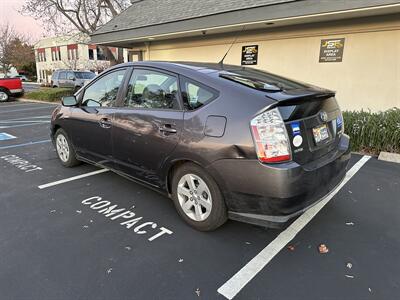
{"points": [[49, 94], [373, 132]]}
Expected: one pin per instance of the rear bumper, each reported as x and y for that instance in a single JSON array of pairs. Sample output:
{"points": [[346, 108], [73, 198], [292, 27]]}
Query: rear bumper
{"points": [[273, 194], [16, 92]]}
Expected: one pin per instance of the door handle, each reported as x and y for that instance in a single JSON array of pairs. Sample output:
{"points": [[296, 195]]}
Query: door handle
{"points": [[167, 129], [105, 123]]}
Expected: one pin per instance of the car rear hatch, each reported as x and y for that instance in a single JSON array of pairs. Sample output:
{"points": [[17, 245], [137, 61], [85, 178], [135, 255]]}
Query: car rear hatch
{"points": [[311, 115], [313, 122]]}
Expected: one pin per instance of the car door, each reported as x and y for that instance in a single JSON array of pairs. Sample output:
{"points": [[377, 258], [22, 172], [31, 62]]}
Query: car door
{"points": [[62, 79], [91, 123], [147, 127], [70, 82]]}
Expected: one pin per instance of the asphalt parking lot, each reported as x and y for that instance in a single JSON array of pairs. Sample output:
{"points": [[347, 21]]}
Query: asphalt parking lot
{"points": [[55, 243]]}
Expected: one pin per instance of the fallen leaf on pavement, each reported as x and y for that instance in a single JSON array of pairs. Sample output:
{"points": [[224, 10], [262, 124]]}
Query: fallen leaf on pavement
{"points": [[323, 249], [291, 247]]}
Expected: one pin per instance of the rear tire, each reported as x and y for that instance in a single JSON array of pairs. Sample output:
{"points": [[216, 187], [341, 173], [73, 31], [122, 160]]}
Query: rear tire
{"points": [[65, 149], [4, 95], [197, 198]]}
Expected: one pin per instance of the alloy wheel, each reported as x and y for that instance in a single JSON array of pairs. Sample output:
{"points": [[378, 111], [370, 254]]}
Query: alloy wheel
{"points": [[194, 197], [3, 96], [62, 147]]}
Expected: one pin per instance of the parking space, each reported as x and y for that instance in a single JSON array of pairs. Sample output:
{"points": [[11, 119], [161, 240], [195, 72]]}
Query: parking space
{"points": [[104, 237]]}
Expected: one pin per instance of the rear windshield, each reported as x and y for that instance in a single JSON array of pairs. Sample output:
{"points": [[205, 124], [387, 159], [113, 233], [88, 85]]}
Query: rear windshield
{"points": [[262, 81], [85, 75]]}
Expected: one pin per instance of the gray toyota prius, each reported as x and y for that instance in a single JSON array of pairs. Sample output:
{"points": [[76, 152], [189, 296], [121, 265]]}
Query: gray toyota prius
{"points": [[221, 141]]}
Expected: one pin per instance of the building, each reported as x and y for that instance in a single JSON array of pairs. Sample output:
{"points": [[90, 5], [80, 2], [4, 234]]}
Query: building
{"points": [[69, 52], [352, 47]]}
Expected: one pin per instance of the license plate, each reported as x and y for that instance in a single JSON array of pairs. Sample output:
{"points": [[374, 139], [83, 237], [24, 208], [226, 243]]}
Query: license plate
{"points": [[321, 133]]}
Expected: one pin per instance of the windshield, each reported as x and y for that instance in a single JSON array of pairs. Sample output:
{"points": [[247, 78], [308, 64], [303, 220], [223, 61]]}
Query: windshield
{"points": [[85, 75], [260, 80]]}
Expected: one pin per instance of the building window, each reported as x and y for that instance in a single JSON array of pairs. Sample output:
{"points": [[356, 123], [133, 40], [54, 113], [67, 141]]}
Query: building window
{"points": [[100, 54], [91, 54], [55, 54], [72, 51], [91, 51], [41, 55]]}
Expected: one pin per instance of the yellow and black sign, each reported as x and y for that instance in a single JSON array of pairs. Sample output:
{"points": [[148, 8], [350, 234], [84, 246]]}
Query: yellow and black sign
{"points": [[331, 50], [249, 55]]}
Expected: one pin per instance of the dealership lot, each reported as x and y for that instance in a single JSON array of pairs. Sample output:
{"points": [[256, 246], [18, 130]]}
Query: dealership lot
{"points": [[62, 241]]}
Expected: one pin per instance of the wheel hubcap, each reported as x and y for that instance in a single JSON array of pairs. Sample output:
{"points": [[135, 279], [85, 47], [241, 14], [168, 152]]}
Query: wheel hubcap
{"points": [[62, 148], [194, 197], [3, 96]]}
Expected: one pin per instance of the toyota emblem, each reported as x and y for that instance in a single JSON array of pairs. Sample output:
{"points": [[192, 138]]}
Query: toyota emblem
{"points": [[323, 116]]}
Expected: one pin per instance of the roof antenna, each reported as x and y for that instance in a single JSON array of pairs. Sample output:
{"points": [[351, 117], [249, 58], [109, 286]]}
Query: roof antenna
{"points": [[234, 41]]}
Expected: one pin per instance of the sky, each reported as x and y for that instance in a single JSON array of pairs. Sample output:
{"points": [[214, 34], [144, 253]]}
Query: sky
{"points": [[23, 24]]}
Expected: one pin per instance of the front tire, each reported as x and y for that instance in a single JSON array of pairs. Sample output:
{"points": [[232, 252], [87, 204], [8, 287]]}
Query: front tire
{"points": [[65, 150], [4, 96], [198, 198]]}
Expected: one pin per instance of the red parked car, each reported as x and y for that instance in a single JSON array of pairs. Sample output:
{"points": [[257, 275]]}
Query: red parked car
{"points": [[10, 87]]}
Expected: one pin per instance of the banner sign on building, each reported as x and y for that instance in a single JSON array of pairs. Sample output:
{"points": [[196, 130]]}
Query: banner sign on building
{"points": [[331, 50], [249, 55]]}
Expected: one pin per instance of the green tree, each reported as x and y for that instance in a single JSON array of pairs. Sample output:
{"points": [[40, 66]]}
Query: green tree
{"points": [[23, 56]]}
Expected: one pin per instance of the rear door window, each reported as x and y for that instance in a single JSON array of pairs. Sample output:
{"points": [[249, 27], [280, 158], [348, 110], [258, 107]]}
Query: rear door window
{"points": [[70, 76], [196, 94], [153, 90]]}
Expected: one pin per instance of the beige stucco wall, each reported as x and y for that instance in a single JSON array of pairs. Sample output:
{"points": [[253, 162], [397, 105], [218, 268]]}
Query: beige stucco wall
{"points": [[368, 77]]}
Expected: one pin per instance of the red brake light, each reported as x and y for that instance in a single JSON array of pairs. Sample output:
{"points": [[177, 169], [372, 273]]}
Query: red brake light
{"points": [[270, 137]]}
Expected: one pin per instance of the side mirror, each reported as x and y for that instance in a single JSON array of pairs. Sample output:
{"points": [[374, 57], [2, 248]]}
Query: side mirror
{"points": [[69, 101], [92, 103]]}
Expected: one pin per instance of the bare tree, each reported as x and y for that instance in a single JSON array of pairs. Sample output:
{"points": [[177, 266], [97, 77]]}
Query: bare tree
{"points": [[7, 36], [68, 16]]}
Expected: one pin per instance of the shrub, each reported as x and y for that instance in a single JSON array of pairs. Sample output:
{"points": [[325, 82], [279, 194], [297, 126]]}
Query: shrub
{"points": [[49, 94], [373, 132]]}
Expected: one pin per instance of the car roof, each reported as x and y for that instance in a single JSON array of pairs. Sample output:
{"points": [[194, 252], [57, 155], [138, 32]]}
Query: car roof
{"points": [[177, 66]]}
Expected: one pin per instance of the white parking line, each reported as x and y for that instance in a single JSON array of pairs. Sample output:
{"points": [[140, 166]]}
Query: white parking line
{"points": [[25, 109], [21, 104], [31, 117], [44, 186], [234, 285], [24, 125]]}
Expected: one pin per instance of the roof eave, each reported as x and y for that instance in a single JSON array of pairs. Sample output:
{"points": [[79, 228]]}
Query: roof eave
{"points": [[293, 13]]}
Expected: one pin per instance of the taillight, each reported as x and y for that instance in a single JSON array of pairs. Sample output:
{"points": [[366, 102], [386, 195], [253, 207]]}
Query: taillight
{"points": [[270, 137]]}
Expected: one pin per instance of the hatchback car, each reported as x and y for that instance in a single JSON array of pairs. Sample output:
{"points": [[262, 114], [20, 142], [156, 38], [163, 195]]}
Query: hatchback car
{"points": [[71, 79], [222, 141]]}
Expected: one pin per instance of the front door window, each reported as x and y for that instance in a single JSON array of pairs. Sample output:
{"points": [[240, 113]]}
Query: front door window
{"points": [[103, 92]]}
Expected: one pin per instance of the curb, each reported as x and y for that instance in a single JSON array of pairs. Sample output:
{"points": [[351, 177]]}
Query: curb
{"points": [[391, 157], [37, 101]]}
